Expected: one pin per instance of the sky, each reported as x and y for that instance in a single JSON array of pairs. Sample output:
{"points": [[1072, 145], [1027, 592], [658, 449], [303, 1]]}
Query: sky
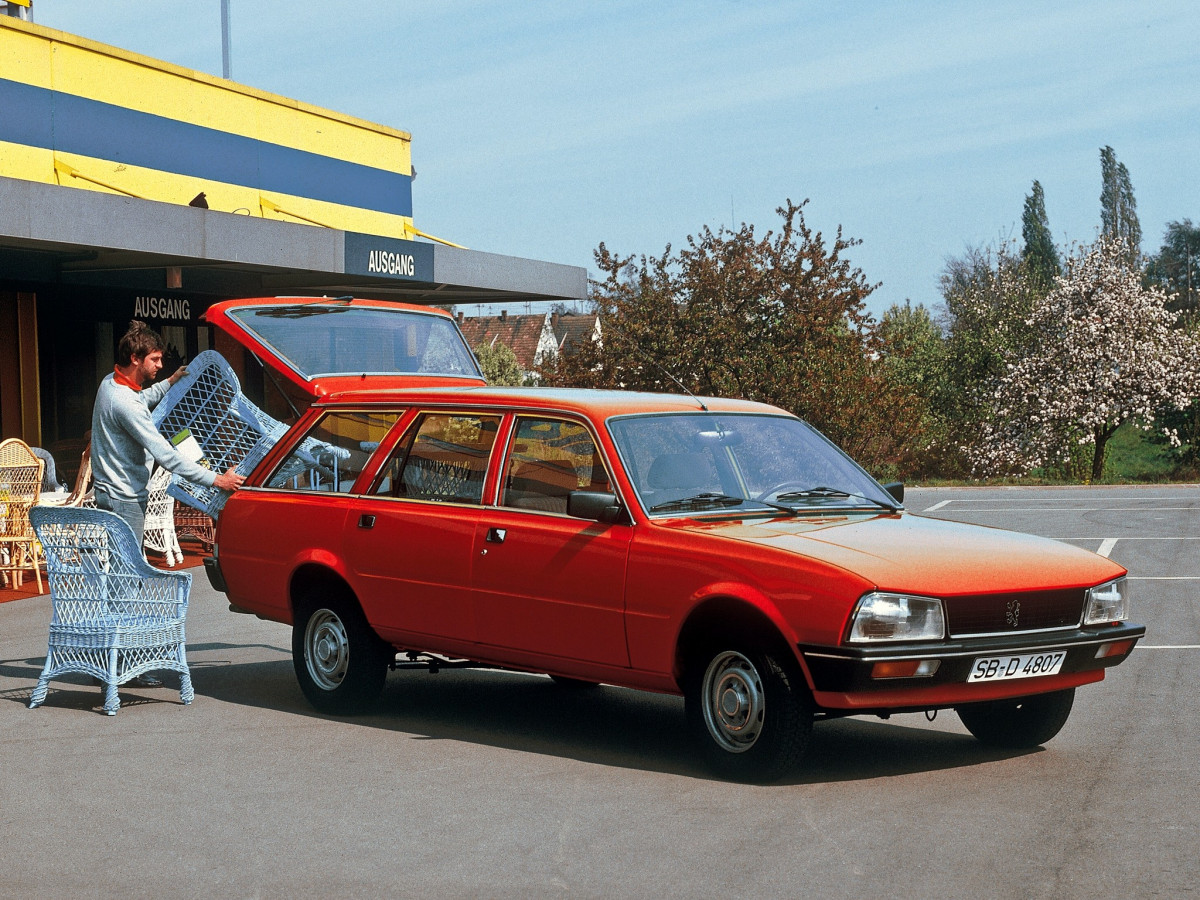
{"points": [[542, 129]]}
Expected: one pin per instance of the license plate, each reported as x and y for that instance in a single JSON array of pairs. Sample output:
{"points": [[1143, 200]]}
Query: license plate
{"points": [[1004, 668]]}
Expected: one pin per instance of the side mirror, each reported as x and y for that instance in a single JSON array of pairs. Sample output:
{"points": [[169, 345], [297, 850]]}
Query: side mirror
{"points": [[896, 489], [597, 506]]}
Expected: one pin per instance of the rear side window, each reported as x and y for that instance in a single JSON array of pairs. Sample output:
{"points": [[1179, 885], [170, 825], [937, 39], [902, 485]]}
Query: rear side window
{"points": [[443, 458], [333, 453], [549, 459]]}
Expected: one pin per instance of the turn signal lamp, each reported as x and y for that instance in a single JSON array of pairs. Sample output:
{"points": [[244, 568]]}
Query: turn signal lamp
{"points": [[1113, 648], [905, 668]]}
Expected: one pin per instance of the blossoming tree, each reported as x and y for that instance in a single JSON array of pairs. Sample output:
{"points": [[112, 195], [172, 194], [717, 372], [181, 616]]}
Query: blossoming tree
{"points": [[1104, 352]]}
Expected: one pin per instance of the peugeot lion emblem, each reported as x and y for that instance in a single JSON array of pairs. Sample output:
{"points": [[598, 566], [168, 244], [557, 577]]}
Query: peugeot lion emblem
{"points": [[1012, 612]]}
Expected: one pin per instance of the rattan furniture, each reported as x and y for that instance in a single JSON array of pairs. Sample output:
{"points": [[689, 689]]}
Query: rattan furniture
{"points": [[159, 534], [20, 487], [115, 616]]}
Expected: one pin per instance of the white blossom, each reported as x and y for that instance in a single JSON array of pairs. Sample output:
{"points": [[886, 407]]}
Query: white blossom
{"points": [[1104, 352]]}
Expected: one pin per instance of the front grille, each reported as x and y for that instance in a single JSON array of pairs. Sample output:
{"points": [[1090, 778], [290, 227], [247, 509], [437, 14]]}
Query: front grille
{"points": [[1015, 612]]}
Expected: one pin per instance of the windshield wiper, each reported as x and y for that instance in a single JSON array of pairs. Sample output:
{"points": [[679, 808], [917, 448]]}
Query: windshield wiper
{"points": [[823, 493], [712, 499], [708, 498]]}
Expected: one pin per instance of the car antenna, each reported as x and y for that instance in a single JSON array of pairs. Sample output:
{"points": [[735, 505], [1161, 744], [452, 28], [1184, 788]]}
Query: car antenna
{"points": [[654, 362]]}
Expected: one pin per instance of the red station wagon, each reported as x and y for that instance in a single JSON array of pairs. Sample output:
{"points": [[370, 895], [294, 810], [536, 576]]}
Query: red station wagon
{"points": [[719, 549]]}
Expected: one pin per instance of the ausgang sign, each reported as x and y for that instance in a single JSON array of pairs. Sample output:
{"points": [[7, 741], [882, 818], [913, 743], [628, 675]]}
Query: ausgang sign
{"points": [[380, 257]]}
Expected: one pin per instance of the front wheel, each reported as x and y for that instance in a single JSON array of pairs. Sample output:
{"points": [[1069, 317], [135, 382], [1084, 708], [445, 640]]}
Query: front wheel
{"points": [[1020, 723], [752, 714], [340, 662]]}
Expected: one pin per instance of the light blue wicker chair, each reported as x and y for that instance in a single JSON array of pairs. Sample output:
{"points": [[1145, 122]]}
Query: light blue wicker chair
{"points": [[115, 616], [232, 432]]}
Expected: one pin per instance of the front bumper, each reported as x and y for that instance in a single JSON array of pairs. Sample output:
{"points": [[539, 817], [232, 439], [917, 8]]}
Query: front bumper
{"points": [[842, 677]]}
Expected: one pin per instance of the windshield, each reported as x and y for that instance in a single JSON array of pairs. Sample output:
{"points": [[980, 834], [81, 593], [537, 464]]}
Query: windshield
{"points": [[317, 339], [709, 462]]}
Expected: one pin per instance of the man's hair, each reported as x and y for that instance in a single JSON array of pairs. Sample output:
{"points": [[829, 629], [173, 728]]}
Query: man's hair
{"points": [[139, 342]]}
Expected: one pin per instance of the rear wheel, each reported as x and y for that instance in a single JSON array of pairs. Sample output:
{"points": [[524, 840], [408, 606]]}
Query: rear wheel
{"points": [[1019, 723], [340, 662], [751, 712]]}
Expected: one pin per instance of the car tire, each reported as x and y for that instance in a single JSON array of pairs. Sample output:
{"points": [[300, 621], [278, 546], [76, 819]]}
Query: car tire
{"points": [[1019, 723], [751, 712], [340, 662]]}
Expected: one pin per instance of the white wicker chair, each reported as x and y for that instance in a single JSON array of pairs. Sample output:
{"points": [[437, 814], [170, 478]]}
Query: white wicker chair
{"points": [[115, 616], [159, 534]]}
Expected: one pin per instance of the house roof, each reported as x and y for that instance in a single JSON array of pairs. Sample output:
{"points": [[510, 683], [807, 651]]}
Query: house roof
{"points": [[521, 334], [573, 328]]}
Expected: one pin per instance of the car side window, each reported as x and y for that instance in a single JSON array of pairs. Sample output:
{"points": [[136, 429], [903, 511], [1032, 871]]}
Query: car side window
{"points": [[332, 454], [443, 457], [549, 459]]}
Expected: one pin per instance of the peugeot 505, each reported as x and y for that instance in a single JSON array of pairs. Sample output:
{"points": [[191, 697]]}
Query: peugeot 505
{"points": [[717, 549]]}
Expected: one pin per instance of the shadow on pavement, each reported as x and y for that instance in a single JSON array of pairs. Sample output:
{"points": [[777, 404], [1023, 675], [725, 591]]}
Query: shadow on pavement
{"points": [[609, 726]]}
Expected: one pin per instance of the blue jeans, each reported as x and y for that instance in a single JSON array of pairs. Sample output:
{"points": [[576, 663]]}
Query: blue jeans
{"points": [[132, 511]]}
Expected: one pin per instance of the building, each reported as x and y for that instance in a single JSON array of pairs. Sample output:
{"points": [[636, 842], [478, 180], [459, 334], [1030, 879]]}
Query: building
{"points": [[533, 338], [133, 188]]}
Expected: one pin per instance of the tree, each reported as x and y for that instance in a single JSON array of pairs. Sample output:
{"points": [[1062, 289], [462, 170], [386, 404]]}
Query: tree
{"points": [[1176, 268], [914, 355], [1118, 208], [988, 296], [780, 319], [1105, 352], [1040, 253], [499, 364]]}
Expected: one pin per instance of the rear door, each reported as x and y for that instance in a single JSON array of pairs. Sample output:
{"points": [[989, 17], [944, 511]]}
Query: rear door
{"points": [[409, 539]]}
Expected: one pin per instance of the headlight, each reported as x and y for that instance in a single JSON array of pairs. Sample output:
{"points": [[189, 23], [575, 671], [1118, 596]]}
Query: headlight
{"points": [[897, 617], [1107, 603]]}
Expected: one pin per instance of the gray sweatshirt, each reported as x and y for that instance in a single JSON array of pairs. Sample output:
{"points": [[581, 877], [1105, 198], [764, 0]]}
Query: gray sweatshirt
{"points": [[125, 441]]}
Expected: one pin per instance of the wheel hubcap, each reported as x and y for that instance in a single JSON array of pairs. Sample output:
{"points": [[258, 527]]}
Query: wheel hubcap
{"points": [[733, 701], [327, 649]]}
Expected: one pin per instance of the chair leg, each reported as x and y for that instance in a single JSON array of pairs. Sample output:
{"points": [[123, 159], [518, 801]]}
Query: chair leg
{"points": [[38, 697], [112, 700], [34, 552]]}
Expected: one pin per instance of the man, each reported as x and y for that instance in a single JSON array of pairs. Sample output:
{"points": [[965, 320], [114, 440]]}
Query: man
{"points": [[125, 441]]}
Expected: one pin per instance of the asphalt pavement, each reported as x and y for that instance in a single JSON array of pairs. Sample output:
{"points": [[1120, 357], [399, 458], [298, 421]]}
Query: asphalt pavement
{"points": [[489, 784]]}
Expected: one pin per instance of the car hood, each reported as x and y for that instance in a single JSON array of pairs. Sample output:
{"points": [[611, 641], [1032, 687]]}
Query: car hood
{"points": [[921, 555]]}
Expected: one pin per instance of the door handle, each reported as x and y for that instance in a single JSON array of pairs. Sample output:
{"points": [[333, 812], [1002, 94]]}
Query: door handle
{"points": [[496, 535], [366, 521]]}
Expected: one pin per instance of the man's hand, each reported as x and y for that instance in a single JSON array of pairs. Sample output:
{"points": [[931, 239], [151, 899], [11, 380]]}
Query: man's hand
{"points": [[230, 481], [179, 373]]}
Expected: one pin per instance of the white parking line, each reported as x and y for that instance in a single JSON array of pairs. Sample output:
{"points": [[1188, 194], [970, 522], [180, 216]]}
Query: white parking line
{"points": [[1060, 499], [937, 506], [1107, 547], [1163, 577], [1078, 509], [1168, 647]]}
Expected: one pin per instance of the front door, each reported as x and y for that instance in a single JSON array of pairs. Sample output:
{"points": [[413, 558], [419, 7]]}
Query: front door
{"points": [[547, 583]]}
